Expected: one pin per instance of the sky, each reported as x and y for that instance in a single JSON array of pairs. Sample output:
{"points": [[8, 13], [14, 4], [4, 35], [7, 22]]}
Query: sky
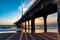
{"points": [[10, 11]]}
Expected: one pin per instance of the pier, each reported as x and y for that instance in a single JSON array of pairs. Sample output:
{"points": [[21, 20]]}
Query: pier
{"points": [[41, 8], [18, 20]]}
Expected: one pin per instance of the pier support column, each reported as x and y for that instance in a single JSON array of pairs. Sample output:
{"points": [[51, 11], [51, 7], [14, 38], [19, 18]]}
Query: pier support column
{"points": [[45, 24], [28, 27], [18, 25], [32, 25], [59, 28], [22, 25], [59, 25], [25, 26], [59, 22]]}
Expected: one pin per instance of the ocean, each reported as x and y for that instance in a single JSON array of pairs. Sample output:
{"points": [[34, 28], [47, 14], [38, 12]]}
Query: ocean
{"points": [[8, 29], [14, 29]]}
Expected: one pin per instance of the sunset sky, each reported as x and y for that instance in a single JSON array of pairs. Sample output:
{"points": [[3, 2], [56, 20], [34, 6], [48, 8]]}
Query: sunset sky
{"points": [[10, 12]]}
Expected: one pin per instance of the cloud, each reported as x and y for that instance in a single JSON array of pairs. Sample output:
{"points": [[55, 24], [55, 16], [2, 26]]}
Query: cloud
{"points": [[13, 18], [26, 6]]}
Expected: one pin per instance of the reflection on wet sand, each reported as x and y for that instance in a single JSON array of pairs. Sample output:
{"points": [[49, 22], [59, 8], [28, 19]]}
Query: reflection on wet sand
{"points": [[41, 31]]}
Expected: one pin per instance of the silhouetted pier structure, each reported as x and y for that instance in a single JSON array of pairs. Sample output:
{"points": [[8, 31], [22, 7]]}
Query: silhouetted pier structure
{"points": [[41, 8]]}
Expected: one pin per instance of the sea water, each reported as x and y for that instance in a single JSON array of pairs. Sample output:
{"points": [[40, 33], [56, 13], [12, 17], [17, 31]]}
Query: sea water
{"points": [[14, 29], [8, 29], [41, 29]]}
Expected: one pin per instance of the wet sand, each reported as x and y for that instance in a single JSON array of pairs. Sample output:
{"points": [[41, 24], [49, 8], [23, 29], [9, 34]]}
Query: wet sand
{"points": [[29, 36]]}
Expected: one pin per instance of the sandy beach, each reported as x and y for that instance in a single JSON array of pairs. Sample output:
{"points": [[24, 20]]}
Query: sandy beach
{"points": [[29, 36]]}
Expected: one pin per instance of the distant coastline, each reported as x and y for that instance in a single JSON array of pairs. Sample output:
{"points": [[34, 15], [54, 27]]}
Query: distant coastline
{"points": [[7, 25]]}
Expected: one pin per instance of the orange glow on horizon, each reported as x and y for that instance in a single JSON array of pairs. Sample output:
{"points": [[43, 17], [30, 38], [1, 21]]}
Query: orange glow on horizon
{"points": [[38, 21]]}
